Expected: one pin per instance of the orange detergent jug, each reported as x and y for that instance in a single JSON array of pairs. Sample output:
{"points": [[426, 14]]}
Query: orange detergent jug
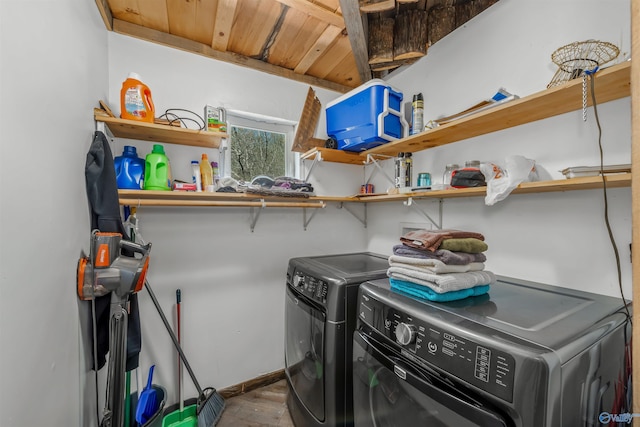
{"points": [[135, 100]]}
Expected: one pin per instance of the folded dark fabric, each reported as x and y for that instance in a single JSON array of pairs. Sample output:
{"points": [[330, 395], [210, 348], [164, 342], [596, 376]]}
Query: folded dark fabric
{"points": [[275, 191], [469, 245], [432, 239], [444, 255], [293, 184], [424, 292], [468, 177]]}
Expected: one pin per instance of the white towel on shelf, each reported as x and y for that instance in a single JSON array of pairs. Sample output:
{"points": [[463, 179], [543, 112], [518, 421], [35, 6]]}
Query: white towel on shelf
{"points": [[443, 282], [431, 265]]}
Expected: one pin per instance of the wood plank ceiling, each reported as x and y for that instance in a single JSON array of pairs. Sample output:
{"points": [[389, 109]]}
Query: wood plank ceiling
{"points": [[335, 44]]}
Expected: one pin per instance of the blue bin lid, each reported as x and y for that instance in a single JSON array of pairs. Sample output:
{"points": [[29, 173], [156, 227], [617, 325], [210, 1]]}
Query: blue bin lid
{"points": [[361, 88]]}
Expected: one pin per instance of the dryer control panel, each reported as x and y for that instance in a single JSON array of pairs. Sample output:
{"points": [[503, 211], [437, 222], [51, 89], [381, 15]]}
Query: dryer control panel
{"points": [[425, 343], [310, 286]]}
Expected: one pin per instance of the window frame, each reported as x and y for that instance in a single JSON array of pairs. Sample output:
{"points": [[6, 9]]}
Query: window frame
{"points": [[262, 123]]}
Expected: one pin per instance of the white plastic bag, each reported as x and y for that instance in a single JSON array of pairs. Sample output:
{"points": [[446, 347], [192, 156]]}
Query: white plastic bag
{"points": [[501, 181]]}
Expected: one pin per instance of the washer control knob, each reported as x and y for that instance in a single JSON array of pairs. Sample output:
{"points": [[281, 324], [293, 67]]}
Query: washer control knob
{"points": [[405, 333]]}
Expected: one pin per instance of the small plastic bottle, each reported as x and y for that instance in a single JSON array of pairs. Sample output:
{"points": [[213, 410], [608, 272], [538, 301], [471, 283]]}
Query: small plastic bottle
{"points": [[196, 178], [446, 177], [206, 173], [216, 174], [408, 170], [399, 166]]}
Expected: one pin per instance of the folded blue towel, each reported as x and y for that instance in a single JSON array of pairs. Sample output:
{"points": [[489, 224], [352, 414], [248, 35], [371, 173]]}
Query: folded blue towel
{"points": [[425, 292]]}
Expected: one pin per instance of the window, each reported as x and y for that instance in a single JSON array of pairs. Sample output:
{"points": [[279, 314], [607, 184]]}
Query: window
{"points": [[259, 145]]}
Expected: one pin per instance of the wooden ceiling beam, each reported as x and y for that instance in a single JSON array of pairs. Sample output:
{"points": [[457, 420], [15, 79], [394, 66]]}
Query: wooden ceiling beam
{"points": [[169, 40], [316, 11], [326, 39], [223, 23], [105, 12], [357, 36]]}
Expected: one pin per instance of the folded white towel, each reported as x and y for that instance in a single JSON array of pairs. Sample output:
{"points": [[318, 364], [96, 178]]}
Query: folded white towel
{"points": [[443, 282], [431, 265]]}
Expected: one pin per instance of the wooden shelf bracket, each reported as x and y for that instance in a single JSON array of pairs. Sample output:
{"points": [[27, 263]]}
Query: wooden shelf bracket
{"points": [[411, 202]]}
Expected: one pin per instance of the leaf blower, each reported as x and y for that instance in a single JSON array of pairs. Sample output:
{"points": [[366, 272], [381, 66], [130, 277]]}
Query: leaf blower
{"points": [[118, 267]]}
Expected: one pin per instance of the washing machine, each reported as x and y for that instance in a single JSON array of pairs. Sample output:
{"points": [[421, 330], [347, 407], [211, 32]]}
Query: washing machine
{"points": [[320, 318], [523, 355]]}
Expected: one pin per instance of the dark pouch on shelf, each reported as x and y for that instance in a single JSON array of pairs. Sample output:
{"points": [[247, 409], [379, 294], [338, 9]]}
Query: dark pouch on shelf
{"points": [[467, 177]]}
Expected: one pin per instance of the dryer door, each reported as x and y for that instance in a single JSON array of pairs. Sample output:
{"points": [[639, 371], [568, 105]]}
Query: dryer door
{"points": [[390, 391], [304, 352]]}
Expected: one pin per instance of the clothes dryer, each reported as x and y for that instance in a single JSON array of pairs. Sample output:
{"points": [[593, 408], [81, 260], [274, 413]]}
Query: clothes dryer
{"points": [[320, 318]]}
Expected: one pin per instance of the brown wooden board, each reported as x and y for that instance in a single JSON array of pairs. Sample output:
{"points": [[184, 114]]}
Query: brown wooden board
{"points": [[380, 40], [307, 124], [410, 35], [375, 6]]}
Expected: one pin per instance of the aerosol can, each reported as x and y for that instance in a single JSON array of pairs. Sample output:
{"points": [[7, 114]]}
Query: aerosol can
{"points": [[417, 114]]}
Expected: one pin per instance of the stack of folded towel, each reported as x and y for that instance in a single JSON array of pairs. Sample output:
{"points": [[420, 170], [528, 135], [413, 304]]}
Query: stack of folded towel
{"points": [[440, 265]]}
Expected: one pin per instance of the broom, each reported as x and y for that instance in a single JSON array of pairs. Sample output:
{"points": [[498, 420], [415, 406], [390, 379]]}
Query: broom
{"points": [[209, 403]]}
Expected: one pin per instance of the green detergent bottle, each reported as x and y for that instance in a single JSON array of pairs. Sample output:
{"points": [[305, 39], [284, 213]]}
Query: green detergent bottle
{"points": [[157, 170]]}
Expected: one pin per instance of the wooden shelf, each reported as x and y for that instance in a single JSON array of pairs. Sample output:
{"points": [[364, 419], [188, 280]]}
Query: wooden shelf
{"points": [[339, 156], [151, 132], [190, 198], [583, 183], [335, 156], [184, 198], [611, 83]]}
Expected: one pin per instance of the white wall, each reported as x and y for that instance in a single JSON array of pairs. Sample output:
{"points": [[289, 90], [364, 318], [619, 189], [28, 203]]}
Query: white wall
{"points": [[57, 61], [53, 56], [232, 280], [557, 238]]}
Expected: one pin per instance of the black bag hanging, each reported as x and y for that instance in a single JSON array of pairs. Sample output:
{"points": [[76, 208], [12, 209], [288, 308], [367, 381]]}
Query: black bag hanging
{"points": [[104, 208]]}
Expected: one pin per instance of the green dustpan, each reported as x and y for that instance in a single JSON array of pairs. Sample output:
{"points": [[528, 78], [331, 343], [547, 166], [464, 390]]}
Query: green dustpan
{"points": [[185, 418]]}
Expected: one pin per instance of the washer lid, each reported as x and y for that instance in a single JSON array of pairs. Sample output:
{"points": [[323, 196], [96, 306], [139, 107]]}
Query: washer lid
{"points": [[545, 314], [554, 317], [346, 268], [355, 263]]}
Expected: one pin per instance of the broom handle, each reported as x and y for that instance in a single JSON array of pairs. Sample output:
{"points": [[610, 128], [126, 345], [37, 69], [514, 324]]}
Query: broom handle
{"points": [[173, 336], [180, 373]]}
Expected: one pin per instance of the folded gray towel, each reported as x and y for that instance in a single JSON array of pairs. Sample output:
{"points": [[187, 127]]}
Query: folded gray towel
{"points": [[444, 255], [434, 266]]}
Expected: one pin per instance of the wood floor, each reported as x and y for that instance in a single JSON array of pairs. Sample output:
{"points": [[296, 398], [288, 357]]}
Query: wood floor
{"points": [[265, 406]]}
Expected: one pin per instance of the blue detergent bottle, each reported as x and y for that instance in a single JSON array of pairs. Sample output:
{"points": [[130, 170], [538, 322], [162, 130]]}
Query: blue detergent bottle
{"points": [[129, 169]]}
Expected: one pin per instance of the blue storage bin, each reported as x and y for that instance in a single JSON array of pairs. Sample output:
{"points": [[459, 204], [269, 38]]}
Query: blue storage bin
{"points": [[369, 115]]}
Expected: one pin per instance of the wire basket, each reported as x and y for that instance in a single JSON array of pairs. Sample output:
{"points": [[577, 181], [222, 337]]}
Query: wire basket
{"points": [[573, 59]]}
